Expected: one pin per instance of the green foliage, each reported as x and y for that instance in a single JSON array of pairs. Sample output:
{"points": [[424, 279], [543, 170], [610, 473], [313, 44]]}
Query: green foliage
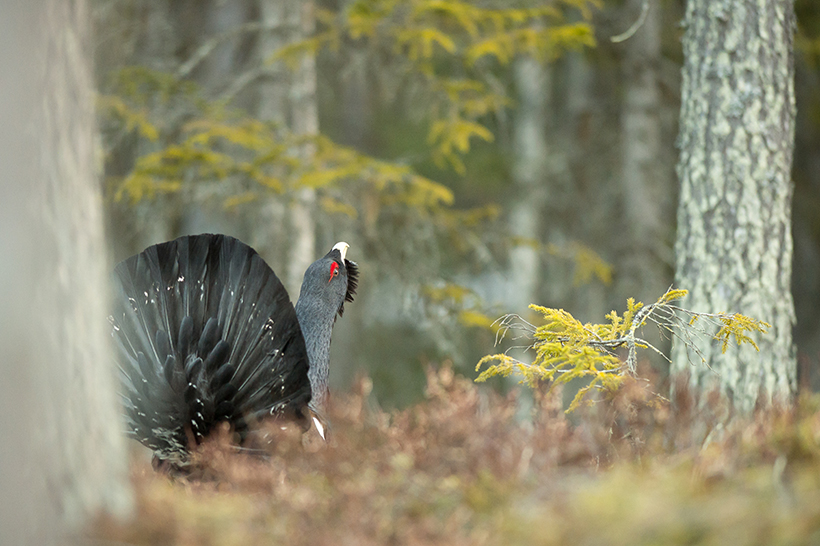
{"points": [[588, 264], [451, 56], [224, 146], [115, 107], [448, 60], [565, 349], [430, 41], [736, 326], [460, 302]]}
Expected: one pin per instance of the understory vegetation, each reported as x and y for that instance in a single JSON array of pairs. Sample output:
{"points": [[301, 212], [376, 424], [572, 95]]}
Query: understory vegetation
{"points": [[464, 467]]}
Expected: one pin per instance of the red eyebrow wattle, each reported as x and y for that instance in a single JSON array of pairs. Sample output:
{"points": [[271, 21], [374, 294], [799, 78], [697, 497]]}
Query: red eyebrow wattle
{"points": [[333, 267]]}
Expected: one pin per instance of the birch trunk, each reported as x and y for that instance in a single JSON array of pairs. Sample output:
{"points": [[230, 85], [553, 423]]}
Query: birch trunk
{"points": [[62, 456], [290, 98], [642, 274], [734, 242], [529, 174]]}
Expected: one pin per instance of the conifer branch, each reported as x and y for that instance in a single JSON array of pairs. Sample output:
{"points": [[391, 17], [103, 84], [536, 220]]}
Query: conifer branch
{"points": [[565, 349]]}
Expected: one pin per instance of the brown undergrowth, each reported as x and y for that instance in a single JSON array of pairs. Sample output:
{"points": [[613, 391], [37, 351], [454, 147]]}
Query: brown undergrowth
{"points": [[463, 467]]}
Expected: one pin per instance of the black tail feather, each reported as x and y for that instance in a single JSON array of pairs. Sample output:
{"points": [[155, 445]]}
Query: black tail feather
{"points": [[205, 332]]}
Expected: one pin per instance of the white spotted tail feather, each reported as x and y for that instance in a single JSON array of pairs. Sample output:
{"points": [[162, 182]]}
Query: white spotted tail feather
{"points": [[205, 333]]}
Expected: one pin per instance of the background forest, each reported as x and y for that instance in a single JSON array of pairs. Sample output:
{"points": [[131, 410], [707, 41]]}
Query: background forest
{"points": [[475, 165], [478, 157]]}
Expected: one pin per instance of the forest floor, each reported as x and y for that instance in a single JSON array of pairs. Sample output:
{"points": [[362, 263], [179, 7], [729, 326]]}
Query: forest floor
{"points": [[460, 468]]}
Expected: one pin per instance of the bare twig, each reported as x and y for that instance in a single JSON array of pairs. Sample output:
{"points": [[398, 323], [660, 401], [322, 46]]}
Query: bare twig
{"points": [[209, 45], [512, 321], [245, 79], [637, 321], [635, 26]]}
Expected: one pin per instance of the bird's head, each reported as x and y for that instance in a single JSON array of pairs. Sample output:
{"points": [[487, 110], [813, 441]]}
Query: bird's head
{"points": [[331, 280]]}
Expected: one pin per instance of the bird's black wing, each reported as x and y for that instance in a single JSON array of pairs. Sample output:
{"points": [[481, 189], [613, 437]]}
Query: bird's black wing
{"points": [[205, 332]]}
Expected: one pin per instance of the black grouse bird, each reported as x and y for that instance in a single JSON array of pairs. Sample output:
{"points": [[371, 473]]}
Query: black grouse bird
{"points": [[205, 333]]}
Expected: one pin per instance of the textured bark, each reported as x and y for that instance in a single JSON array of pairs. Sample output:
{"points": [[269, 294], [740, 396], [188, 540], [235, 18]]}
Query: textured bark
{"points": [[62, 454], [734, 242]]}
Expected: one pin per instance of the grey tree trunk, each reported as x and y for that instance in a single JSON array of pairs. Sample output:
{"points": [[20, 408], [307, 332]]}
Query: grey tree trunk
{"points": [[305, 121], [222, 73], [642, 272], [734, 242], [290, 98], [62, 454], [148, 35], [529, 174], [588, 301]]}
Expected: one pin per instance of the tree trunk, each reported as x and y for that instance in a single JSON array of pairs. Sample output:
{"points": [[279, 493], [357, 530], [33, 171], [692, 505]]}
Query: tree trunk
{"points": [[290, 98], [641, 272], [529, 174], [62, 455], [643, 269], [734, 242], [578, 112], [221, 74]]}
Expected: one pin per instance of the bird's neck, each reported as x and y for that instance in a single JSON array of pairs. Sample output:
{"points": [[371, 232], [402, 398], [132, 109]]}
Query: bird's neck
{"points": [[316, 328]]}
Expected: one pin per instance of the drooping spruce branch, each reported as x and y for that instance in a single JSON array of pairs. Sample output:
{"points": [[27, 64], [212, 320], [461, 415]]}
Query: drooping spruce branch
{"points": [[566, 349]]}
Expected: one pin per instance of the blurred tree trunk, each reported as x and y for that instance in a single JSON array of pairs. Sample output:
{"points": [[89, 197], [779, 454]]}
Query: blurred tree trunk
{"points": [[357, 113], [806, 274], [570, 198], [642, 272], [348, 353], [224, 64], [148, 36], [222, 74], [62, 455], [734, 242], [289, 98], [529, 175]]}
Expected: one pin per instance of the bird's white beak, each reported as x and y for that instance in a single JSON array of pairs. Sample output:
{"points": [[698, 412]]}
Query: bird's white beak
{"points": [[342, 248]]}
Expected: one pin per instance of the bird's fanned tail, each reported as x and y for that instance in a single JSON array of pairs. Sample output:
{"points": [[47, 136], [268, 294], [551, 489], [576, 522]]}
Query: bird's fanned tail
{"points": [[205, 332]]}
